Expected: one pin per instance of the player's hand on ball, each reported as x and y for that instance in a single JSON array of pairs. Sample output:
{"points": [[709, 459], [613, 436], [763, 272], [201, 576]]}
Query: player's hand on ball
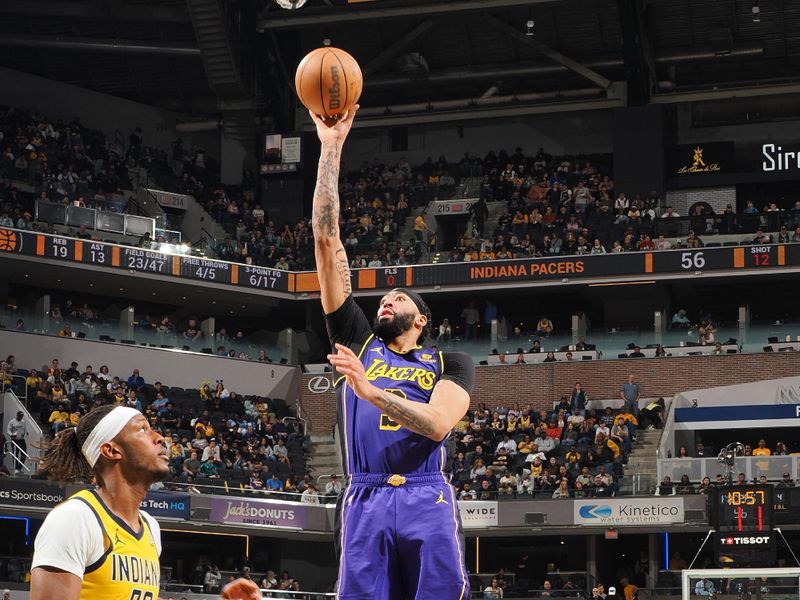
{"points": [[347, 364], [335, 133], [241, 589]]}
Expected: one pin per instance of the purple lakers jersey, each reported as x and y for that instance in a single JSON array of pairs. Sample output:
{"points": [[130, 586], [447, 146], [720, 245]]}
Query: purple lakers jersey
{"points": [[371, 441]]}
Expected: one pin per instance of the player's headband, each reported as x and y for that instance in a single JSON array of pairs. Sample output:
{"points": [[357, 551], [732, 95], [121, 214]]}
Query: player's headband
{"points": [[417, 300], [106, 430]]}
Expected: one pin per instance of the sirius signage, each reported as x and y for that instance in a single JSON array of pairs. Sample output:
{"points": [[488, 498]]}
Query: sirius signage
{"points": [[775, 158], [602, 512]]}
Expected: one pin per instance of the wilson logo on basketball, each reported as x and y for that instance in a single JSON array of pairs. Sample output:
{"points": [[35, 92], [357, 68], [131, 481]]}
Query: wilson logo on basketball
{"points": [[335, 91], [8, 240]]}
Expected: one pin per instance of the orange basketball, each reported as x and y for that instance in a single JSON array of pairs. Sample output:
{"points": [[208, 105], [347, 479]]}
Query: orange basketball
{"points": [[8, 240], [241, 589], [328, 82]]}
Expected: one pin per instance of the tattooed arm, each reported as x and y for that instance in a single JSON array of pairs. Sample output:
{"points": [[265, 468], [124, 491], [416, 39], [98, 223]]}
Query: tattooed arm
{"points": [[332, 268], [449, 400]]}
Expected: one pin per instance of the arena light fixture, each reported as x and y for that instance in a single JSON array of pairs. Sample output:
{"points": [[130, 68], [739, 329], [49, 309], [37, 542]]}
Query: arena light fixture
{"points": [[290, 4], [529, 25]]}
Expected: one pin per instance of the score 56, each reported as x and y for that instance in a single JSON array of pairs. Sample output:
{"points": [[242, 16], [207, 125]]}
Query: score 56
{"points": [[692, 260]]}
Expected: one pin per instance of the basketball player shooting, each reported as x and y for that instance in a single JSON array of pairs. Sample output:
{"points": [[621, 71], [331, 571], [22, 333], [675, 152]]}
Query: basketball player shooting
{"points": [[399, 533], [98, 544]]}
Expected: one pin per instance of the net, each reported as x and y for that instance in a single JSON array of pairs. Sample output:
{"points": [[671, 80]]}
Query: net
{"points": [[741, 584]]}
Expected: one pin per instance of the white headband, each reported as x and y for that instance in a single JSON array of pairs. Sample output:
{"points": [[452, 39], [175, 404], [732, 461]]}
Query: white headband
{"points": [[106, 430]]}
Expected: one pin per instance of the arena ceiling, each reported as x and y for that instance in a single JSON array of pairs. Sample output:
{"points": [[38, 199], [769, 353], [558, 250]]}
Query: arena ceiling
{"points": [[418, 52]]}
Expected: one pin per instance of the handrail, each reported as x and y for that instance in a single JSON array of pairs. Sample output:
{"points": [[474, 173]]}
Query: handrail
{"points": [[8, 448], [662, 451], [262, 494]]}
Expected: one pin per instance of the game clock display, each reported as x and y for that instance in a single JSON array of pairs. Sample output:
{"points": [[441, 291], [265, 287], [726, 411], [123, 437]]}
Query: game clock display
{"points": [[745, 508]]}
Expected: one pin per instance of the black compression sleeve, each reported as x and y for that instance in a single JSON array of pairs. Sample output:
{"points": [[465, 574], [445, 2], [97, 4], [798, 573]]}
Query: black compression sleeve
{"points": [[348, 325], [459, 368]]}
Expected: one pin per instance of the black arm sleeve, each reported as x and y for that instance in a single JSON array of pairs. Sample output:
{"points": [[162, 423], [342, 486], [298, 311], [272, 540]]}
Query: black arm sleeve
{"points": [[459, 368], [348, 325]]}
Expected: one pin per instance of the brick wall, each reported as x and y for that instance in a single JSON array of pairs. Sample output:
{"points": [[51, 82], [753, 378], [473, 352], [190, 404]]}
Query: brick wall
{"points": [[539, 385], [718, 198]]}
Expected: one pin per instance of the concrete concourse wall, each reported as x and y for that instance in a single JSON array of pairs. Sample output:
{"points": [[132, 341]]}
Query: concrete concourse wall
{"points": [[173, 367]]}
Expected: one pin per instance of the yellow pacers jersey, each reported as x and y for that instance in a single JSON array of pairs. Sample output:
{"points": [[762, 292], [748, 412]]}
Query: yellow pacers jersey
{"points": [[129, 568]]}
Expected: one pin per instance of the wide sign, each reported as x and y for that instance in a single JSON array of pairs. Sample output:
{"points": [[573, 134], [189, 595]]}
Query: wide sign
{"points": [[610, 512], [477, 514], [261, 513]]}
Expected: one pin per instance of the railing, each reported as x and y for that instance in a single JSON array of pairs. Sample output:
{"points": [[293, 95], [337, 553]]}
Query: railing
{"points": [[246, 490], [773, 467], [14, 450], [20, 391], [34, 435], [721, 224], [99, 220]]}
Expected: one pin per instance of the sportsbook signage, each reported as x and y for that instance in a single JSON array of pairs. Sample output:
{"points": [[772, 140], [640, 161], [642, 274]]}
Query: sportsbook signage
{"points": [[40, 494], [477, 514], [453, 207], [169, 505], [603, 512], [562, 269], [699, 159], [262, 513]]}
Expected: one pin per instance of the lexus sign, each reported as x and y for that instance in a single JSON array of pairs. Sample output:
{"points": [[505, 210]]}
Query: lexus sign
{"points": [[607, 512]]}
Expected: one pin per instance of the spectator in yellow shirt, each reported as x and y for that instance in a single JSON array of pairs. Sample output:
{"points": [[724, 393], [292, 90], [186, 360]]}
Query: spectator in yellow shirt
{"points": [[762, 449], [58, 419], [33, 380]]}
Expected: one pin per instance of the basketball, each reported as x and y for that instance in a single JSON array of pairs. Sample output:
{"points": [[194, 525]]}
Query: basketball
{"points": [[8, 240], [241, 589], [328, 82]]}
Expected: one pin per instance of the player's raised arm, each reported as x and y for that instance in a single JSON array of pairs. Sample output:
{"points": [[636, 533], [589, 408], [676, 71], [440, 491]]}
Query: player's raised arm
{"points": [[332, 268]]}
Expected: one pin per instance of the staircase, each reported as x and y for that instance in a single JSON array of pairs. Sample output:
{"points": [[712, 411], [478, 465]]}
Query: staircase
{"points": [[211, 23], [406, 232], [323, 459], [495, 210], [641, 472], [217, 27]]}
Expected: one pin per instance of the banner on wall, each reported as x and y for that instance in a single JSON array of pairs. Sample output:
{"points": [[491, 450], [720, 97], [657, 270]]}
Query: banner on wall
{"points": [[605, 512], [262, 513], [28, 494], [477, 514], [167, 504], [699, 159]]}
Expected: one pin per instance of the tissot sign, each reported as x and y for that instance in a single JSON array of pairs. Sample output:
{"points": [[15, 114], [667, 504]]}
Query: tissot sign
{"points": [[605, 512]]}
